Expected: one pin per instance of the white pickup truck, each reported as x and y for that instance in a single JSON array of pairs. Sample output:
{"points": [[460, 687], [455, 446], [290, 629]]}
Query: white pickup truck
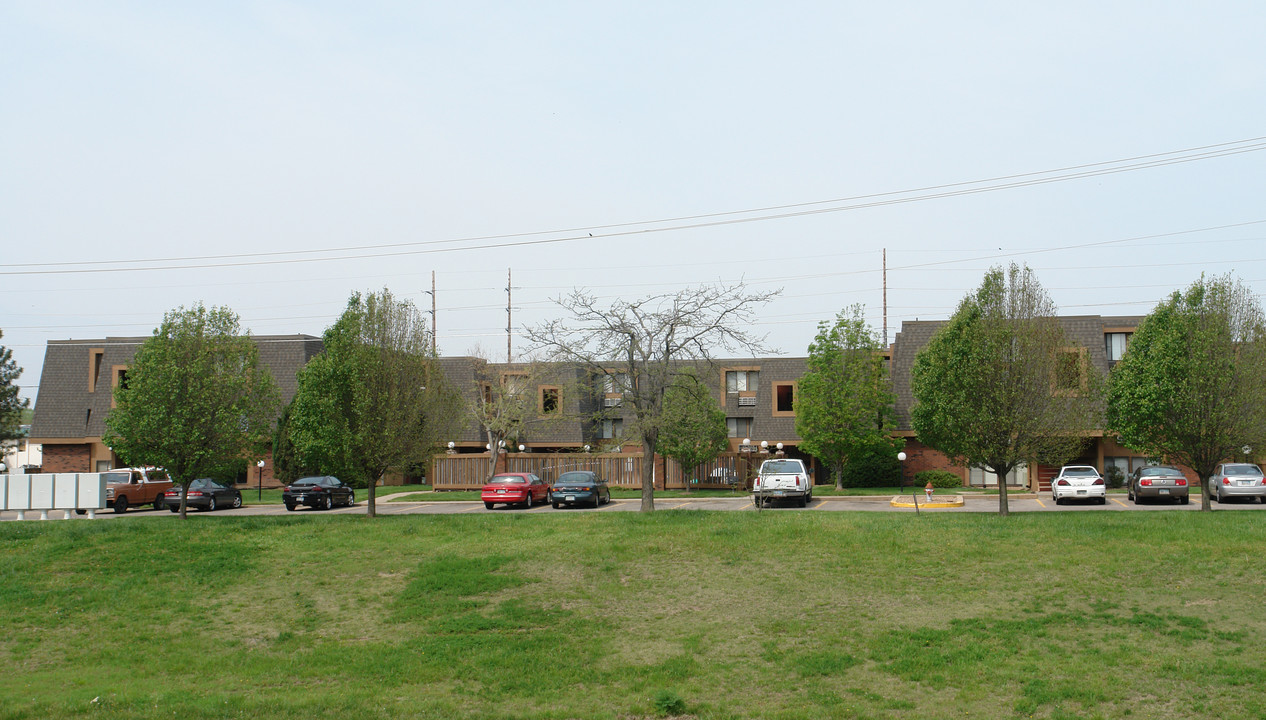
{"points": [[782, 479]]}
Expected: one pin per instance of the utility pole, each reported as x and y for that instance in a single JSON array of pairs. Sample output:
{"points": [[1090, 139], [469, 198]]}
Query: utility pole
{"points": [[885, 299], [434, 326], [509, 323]]}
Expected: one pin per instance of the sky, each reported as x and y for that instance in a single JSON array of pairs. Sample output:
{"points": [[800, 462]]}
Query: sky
{"points": [[275, 157]]}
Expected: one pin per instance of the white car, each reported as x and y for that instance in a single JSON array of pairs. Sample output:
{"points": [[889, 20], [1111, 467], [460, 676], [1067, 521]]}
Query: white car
{"points": [[782, 479], [1081, 482]]}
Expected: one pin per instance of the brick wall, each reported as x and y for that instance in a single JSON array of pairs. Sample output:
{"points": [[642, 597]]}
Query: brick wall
{"points": [[66, 458], [920, 457]]}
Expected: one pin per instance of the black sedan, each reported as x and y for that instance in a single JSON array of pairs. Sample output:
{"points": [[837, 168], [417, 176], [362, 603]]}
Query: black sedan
{"points": [[579, 487], [204, 494], [322, 492]]}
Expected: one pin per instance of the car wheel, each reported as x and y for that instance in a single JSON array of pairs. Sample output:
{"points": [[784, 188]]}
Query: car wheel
{"points": [[211, 504], [488, 505], [290, 506], [528, 503], [120, 505], [804, 501], [160, 502], [555, 505], [1103, 501], [237, 501], [81, 512], [351, 498], [1059, 501], [329, 503], [173, 508]]}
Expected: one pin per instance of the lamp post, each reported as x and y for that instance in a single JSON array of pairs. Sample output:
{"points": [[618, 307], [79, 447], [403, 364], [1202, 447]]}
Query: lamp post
{"points": [[452, 448], [259, 485], [746, 451], [901, 482], [1247, 450]]}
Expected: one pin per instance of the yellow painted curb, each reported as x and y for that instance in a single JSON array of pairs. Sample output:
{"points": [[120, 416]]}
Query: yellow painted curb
{"points": [[907, 501]]}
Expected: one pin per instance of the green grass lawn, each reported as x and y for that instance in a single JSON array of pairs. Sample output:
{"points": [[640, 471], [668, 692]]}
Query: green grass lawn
{"points": [[623, 615]]}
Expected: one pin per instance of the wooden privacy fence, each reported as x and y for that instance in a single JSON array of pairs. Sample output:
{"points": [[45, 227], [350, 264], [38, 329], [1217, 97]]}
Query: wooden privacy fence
{"points": [[468, 472]]}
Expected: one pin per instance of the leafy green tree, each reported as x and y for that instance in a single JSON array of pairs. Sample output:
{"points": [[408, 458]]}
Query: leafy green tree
{"points": [[844, 404], [645, 341], [1000, 384], [693, 429], [1192, 386], [12, 405], [288, 465], [197, 401], [375, 399]]}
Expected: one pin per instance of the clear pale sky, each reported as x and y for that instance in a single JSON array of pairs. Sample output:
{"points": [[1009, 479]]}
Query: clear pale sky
{"points": [[223, 143]]}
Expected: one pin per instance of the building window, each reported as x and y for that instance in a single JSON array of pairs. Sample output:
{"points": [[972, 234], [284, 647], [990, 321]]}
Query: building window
{"points": [[94, 368], [550, 400], [514, 384], [615, 383], [738, 427], [1115, 344], [979, 477], [784, 399], [612, 428], [737, 381]]}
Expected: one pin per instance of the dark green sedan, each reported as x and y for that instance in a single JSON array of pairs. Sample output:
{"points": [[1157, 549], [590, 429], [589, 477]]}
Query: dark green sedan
{"points": [[579, 487]]}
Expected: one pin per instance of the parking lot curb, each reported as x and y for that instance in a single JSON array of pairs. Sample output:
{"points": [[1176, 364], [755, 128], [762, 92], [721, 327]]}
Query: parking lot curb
{"points": [[903, 501]]}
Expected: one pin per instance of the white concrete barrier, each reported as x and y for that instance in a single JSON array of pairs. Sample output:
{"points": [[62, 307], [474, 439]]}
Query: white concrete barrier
{"points": [[70, 492]]}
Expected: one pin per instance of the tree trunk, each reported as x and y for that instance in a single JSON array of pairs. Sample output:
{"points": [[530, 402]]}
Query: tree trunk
{"points": [[372, 510], [648, 475], [1205, 502], [837, 470], [1003, 509]]}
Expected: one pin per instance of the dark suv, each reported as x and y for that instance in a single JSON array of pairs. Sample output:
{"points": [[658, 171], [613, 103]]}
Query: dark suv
{"points": [[322, 492]]}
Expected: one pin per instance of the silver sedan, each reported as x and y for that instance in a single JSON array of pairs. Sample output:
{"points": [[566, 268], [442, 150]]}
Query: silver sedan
{"points": [[1237, 480]]}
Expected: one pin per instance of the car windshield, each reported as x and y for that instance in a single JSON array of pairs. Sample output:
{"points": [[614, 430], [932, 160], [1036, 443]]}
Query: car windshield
{"points": [[1080, 472], [781, 466], [508, 480], [1162, 472], [200, 484], [575, 477], [118, 477], [1241, 470], [308, 481]]}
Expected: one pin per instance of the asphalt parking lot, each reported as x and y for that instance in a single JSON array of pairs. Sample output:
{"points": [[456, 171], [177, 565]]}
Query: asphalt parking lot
{"points": [[1018, 503]]}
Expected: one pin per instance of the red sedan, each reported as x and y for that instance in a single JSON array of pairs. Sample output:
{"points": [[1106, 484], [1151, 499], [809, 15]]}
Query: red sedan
{"points": [[523, 489]]}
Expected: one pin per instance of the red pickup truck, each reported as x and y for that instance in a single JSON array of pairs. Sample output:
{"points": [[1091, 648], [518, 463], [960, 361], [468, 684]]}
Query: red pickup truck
{"points": [[128, 487]]}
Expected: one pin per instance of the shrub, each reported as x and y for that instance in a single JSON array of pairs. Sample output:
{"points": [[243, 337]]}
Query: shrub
{"points": [[1114, 476], [939, 479], [668, 702], [876, 466]]}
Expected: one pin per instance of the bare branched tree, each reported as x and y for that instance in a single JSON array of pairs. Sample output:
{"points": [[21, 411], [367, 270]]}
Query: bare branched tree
{"points": [[649, 341]]}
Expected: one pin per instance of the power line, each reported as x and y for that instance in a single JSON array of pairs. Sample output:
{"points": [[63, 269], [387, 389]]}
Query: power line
{"points": [[685, 222]]}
